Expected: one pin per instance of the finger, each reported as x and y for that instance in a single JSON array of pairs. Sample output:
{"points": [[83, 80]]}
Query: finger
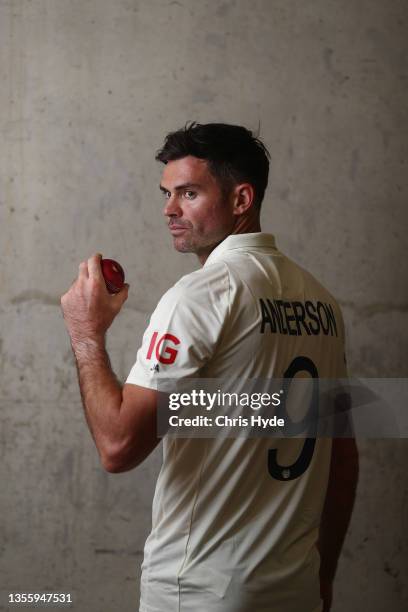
{"points": [[83, 270], [94, 267], [121, 297]]}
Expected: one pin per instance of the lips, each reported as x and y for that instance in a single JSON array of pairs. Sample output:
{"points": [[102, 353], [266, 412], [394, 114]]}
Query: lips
{"points": [[177, 228]]}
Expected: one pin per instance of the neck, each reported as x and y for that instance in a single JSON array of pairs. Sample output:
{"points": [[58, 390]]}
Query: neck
{"points": [[247, 225], [244, 225]]}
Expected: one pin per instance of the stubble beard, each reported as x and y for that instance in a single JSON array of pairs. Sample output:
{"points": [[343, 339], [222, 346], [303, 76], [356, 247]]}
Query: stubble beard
{"points": [[185, 245], [201, 248]]}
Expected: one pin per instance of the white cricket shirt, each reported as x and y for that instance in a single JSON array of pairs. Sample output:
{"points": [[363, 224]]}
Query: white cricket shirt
{"points": [[228, 536]]}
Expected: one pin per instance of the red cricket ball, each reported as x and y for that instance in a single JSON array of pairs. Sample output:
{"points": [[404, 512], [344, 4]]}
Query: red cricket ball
{"points": [[113, 274]]}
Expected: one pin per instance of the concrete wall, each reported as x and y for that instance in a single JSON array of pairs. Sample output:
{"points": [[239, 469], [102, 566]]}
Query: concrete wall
{"points": [[89, 89]]}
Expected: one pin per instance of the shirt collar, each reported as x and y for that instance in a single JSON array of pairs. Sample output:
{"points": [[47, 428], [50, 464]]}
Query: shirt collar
{"points": [[243, 242]]}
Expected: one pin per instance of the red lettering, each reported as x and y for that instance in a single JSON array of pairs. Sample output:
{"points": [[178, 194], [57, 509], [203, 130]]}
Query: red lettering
{"points": [[170, 352], [151, 346]]}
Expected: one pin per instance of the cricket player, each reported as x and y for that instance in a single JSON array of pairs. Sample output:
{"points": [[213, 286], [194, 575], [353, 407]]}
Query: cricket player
{"points": [[239, 524]]}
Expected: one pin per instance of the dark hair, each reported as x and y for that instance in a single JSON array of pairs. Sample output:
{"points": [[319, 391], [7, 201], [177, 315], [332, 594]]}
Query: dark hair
{"points": [[233, 153]]}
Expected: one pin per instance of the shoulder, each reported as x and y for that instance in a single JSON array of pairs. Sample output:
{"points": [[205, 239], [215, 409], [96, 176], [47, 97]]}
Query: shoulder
{"points": [[209, 281], [314, 283], [207, 277], [206, 288], [325, 296]]}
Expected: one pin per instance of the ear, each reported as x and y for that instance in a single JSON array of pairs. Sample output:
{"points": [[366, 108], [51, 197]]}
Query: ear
{"points": [[243, 198]]}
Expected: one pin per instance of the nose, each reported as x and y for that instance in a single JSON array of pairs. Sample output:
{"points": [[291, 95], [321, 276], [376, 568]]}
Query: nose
{"points": [[172, 207]]}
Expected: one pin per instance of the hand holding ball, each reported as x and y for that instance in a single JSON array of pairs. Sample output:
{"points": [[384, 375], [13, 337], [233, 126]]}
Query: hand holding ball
{"points": [[113, 274]]}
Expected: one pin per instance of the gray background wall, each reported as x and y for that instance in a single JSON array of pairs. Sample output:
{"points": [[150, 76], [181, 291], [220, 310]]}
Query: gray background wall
{"points": [[89, 89]]}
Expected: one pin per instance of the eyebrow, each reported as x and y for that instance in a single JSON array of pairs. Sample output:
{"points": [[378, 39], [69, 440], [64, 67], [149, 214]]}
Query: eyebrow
{"points": [[180, 187]]}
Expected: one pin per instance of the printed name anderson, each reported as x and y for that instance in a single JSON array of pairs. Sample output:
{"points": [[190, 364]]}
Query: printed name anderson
{"points": [[226, 421], [296, 318]]}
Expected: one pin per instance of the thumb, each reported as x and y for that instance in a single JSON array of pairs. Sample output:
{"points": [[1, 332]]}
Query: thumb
{"points": [[121, 297]]}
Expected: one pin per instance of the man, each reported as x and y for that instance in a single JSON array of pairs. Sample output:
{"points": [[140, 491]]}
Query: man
{"points": [[237, 523]]}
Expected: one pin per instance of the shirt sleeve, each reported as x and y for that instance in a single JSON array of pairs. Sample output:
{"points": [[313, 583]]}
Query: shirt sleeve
{"points": [[184, 329]]}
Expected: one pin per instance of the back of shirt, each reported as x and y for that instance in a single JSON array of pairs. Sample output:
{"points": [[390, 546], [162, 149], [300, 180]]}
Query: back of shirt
{"points": [[235, 520]]}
